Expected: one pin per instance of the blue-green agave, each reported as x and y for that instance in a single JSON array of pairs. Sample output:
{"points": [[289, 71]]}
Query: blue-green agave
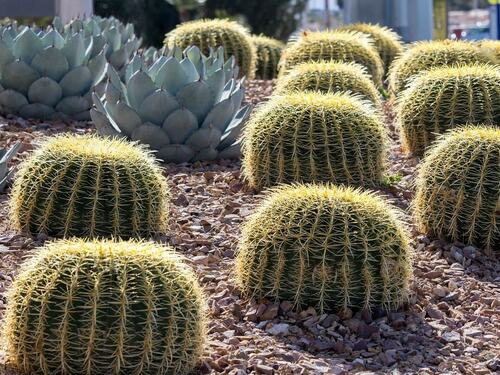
{"points": [[184, 105], [5, 155]]}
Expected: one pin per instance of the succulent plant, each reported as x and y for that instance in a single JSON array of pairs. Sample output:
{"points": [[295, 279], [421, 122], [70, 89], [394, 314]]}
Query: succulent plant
{"points": [[46, 75], [87, 186], [185, 106], [492, 47], [330, 77], [341, 46], [314, 137], [423, 56], [104, 307], [5, 155], [209, 34], [444, 98], [323, 246], [458, 188], [268, 56]]}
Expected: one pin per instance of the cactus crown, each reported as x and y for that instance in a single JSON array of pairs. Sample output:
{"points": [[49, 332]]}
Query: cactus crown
{"points": [[314, 137], [268, 56], [325, 246], [458, 187], [104, 308], [445, 97], [326, 76], [87, 186]]}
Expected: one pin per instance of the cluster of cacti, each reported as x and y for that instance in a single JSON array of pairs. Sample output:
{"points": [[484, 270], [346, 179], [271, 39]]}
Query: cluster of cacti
{"points": [[314, 137], [325, 246], [46, 75], [6, 154], [492, 47], [104, 307], [268, 56], [342, 46], [185, 105], [207, 34], [423, 56], [330, 77], [444, 98], [458, 188], [88, 186]]}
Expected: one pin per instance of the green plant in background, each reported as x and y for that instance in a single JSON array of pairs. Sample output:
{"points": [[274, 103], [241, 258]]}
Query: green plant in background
{"points": [[46, 75], [444, 98], [268, 56], [6, 154], [423, 56], [492, 47], [86, 186], [104, 308], [327, 247], [314, 137], [185, 106], [341, 46], [206, 34], [330, 77], [458, 188]]}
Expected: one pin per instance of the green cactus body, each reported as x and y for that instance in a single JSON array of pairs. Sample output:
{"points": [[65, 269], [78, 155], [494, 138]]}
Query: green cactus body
{"points": [[314, 137], [342, 46], [6, 154], [423, 56], [104, 308], [86, 186], [458, 188], [444, 98], [207, 34], [330, 77], [268, 56], [325, 246], [492, 47]]}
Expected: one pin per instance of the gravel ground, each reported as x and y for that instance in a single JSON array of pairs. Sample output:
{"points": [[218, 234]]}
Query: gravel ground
{"points": [[451, 324]]}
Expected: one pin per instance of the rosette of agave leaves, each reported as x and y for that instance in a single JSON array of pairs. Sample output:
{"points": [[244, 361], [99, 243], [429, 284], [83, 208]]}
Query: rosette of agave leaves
{"points": [[184, 105]]}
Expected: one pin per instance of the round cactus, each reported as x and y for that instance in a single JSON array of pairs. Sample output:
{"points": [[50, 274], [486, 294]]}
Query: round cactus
{"points": [[207, 34], [104, 308], [314, 137], [387, 42], [325, 246], [458, 188], [268, 56], [424, 56], [344, 46], [443, 98], [87, 186], [330, 77], [492, 47]]}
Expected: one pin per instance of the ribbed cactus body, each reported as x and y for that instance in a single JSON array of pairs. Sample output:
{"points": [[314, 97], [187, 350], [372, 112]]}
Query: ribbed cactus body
{"points": [[342, 46], [330, 77], [268, 56], [458, 188], [325, 246], [314, 137], [6, 154], [90, 187], [492, 47], [444, 98], [207, 34], [104, 308]]}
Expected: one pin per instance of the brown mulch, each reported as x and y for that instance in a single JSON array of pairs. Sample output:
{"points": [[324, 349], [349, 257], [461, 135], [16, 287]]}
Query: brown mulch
{"points": [[451, 324]]}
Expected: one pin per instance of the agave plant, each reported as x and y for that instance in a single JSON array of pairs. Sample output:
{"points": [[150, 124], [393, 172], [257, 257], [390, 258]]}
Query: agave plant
{"points": [[185, 105], [5, 155], [46, 74]]}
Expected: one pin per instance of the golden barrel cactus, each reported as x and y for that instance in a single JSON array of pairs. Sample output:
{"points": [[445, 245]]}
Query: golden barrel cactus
{"points": [[268, 56]]}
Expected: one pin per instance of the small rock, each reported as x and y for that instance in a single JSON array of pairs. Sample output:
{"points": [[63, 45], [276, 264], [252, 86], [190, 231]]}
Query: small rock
{"points": [[452, 336], [263, 369], [470, 252], [270, 313], [279, 329], [434, 313], [440, 291], [456, 253]]}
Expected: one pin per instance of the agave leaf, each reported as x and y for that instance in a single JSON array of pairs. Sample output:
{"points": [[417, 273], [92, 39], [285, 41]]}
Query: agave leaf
{"points": [[232, 152], [7, 37], [175, 153], [89, 48], [115, 80], [234, 129], [125, 118], [130, 47], [97, 66], [171, 76], [196, 97], [102, 124], [214, 65], [208, 153], [152, 135], [220, 116], [190, 70], [132, 67], [237, 97], [52, 63], [118, 58], [45, 91], [216, 84], [36, 110], [153, 69], [228, 89], [157, 106], [112, 94], [72, 105], [8, 154], [101, 109], [81, 116], [18, 76], [53, 39], [179, 125], [139, 87], [193, 53], [57, 23], [5, 55], [26, 45], [76, 82], [203, 138], [99, 44], [113, 37], [74, 50], [12, 100]]}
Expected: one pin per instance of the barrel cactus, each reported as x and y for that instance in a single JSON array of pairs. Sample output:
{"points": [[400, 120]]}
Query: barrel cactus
{"points": [[423, 56], [343, 46], [86, 186], [314, 137], [46, 75], [208, 33], [185, 106], [443, 98], [330, 77], [6, 154], [268, 56], [492, 47], [458, 188], [104, 308], [327, 247]]}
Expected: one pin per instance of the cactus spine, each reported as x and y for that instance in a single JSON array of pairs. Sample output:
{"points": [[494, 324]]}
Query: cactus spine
{"points": [[268, 56]]}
